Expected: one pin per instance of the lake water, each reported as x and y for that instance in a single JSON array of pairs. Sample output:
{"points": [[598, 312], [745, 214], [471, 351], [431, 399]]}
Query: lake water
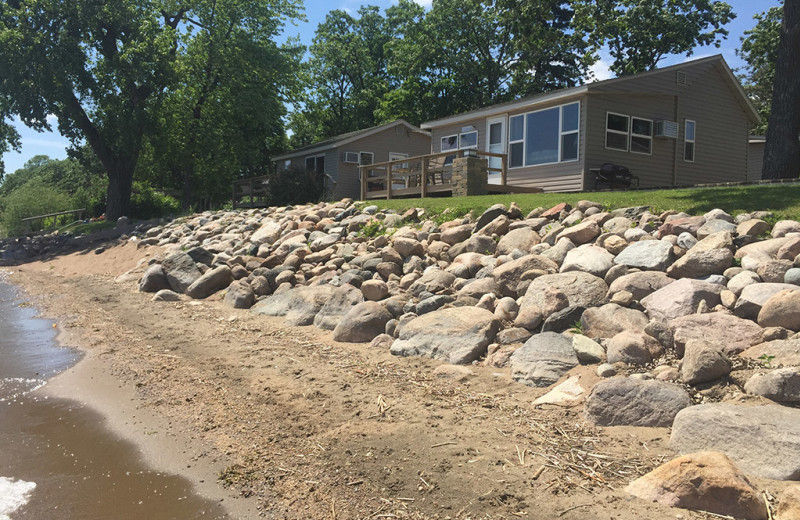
{"points": [[56, 458]]}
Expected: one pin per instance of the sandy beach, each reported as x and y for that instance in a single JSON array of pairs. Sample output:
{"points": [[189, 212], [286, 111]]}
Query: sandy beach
{"points": [[283, 422]]}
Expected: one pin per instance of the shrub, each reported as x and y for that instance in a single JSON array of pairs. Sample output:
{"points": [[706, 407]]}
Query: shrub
{"points": [[29, 200], [147, 202]]}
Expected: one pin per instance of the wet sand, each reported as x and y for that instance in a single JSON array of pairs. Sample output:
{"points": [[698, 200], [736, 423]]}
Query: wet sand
{"points": [[81, 468]]}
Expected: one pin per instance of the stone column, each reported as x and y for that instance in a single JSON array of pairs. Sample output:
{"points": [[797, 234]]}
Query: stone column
{"points": [[469, 176]]}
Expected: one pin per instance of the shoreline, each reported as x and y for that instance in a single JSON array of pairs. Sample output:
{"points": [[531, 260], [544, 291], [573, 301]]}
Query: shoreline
{"points": [[90, 383]]}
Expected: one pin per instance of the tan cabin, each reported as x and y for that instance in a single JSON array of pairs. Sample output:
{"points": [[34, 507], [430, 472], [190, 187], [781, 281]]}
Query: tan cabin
{"points": [[338, 158], [681, 125]]}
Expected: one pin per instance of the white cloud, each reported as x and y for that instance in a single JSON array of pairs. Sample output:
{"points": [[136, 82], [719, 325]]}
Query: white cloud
{"points": [[600, 71]]}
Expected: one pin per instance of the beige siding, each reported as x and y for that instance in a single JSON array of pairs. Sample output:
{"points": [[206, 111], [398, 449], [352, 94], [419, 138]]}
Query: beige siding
{"points": [[653, 170], [380, 144], [707, 98], [557, 177], [722, 132], [755, 160]]}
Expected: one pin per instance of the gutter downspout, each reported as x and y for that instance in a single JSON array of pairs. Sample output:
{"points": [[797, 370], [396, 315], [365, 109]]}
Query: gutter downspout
{"points": [[675, 155]]}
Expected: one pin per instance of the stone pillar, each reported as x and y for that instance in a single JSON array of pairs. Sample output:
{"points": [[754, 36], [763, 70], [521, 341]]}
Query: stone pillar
{"points": [[469, 176]]}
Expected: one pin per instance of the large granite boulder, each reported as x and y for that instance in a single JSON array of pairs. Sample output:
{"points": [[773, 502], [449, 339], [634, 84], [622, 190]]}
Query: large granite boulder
{"points": [[681, 298], [611, 319], [582, 289], [733, 333], [212, 281], [455, 335], [507, 276], [362, 323], [339, 303], [762, 440], [708, 481], [632, 402], [543, 359], [647, 255], [181, 271]]}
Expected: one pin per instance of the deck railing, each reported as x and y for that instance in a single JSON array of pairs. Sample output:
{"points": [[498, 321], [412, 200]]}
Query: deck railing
{"points": [[255, 189], [419, 176]]}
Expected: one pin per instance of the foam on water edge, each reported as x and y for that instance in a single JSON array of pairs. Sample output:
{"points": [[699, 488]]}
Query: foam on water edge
{"points": [[17, 387], [13, 495]]}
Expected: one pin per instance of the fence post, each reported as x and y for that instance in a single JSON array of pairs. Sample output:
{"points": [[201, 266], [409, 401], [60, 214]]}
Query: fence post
{"points": [[388, 181], [503, 176], [363, 176], [423, 184]]}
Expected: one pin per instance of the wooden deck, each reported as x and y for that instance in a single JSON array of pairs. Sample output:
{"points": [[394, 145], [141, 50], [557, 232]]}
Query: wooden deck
{"points": [[251, 193], [426, 175]]}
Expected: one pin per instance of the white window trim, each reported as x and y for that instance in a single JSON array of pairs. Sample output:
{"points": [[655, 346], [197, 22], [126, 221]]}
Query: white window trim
{"points": [[693, 141], [462, 134], [397, 156], [561, 134], [315, 157], [649, 137], [618, 132], [441, 141]]}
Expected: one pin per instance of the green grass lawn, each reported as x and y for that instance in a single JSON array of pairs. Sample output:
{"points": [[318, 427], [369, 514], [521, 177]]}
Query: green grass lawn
{"points": [[88, 228], [782, 199]]}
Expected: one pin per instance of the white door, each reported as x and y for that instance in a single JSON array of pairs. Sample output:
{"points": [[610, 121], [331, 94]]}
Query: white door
{"points": [[495, 143]]}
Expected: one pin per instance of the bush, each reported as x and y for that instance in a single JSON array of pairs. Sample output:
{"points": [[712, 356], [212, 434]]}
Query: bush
{"points": [[295, 186], [29, 200], [147, 202]]}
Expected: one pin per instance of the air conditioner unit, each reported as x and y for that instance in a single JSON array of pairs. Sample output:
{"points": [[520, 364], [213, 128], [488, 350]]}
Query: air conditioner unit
{"points": [[351, 157], [666, 129]]}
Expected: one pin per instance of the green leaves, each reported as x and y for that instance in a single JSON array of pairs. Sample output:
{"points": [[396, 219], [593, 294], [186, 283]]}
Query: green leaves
{"points": [[760, 52]]}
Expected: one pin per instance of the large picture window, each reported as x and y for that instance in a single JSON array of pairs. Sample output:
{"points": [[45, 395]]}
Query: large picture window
{"points": [[545, 136]]}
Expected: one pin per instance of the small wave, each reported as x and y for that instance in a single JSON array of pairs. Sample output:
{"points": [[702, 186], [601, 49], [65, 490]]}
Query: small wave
{"points": [[13, 495], [12, 388]]}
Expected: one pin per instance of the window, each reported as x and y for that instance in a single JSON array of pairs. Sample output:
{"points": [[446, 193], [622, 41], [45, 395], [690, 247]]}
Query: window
{"points": [[315, 163], [617, 131], [468, 140], [641, 135], [350, 157], [365, 158], [688, 141], [544, 137], [449, 142]]}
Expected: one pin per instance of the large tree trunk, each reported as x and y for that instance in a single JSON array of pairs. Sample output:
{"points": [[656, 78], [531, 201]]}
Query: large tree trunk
{"points": [[118, 195], [782, 152]]}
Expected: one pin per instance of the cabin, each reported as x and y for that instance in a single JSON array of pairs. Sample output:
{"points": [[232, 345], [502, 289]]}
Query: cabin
{"points": [[338, 158], [681, 125]]}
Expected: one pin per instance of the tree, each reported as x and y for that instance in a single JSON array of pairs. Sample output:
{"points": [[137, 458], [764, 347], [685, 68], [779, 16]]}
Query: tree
{"points": [[760, 52], [782, 150], [639, 33], [104, 69], [9, 140]]}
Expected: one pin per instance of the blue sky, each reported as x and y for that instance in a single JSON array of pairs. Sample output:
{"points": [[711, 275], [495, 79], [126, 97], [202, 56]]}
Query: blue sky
{"points": [[54, 145]]}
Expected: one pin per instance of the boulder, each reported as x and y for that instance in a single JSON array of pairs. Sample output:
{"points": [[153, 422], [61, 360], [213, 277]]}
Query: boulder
{"points": [[766, 247], [754, 296], [581, 233], [181, 271], [640, 284], [741, 280], [507, 276], [456, 335], [565, 393], [588, 258], [563, 319], [707, 480], [781, 352], [733, 333], [339, 303], [715, 226], [374, 290], [624, 401], [781, 385], [582, 289], [681, 298], [611, 319], [587, 350], [453, 235], [696, 264], [433, 280], [239, 295], [306, 302], [783, 227], [762, 440], [753, 227], [789, 504], [703, 361], [362, 323], [154, 279], [633, 348], [543, 359], [522, 239], [166, 295], [212, 281], [479, 287], [647, 255], [268, 233], [677, 226], [781, 310]]}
